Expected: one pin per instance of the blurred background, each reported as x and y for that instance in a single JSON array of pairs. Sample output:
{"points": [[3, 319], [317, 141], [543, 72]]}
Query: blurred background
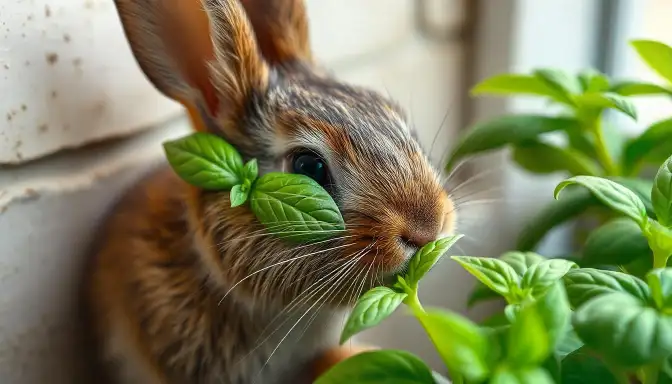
{"points": [[79, 123]]}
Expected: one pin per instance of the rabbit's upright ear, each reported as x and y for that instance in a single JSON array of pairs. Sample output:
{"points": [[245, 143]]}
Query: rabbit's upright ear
{"points": [[202, 53], [281, 28]]}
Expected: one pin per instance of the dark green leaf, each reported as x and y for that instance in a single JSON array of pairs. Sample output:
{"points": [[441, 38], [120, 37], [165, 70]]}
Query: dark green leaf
{"points": [[565, 84], [499, 132], [372, 307], [636, 88], [541, 276], [506, 84], [639, 149], [569, 343], [600, 101], [580, 367], [506, 375], [617, 242], [538, 157], [205, 161], [623, 330], [496, 274], [426, 257], [587, 283], [385, 366], [555, 313], [462, 345], [528, 344], [495, 320], [295, 207], [660, 283], [238, 195], [657, 55], [614, 195], [574, 202], [661, 194], [593, 81]]}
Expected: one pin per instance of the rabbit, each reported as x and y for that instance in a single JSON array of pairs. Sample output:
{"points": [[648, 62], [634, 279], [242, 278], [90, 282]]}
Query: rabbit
{"points": [[183, 288]]}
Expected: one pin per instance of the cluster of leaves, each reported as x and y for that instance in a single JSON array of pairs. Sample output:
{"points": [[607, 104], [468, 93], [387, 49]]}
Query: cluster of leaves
{"points": [[562, 323], [293, 207], [590, 145]]}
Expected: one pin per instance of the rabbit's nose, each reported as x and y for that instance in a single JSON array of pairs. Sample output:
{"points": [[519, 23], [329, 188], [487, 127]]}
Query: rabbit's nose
{"points": [[418, 237]]}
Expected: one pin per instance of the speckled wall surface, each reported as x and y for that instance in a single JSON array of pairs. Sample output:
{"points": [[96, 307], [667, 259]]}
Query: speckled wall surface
{"points": [[67, 77]]}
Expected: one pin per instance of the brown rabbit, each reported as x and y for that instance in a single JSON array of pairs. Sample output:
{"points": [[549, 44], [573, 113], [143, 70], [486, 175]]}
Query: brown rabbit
{"points": [[186, 289]]}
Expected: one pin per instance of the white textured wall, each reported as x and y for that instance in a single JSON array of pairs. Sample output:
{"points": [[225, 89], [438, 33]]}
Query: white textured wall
{"points": [[67, 79]]}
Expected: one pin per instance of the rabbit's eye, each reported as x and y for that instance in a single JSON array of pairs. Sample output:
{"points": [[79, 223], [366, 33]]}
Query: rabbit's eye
{"points": [[312, 166]]}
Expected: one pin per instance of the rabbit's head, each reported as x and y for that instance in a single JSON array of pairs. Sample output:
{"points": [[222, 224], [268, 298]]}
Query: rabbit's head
{"points": [[244, 70]]}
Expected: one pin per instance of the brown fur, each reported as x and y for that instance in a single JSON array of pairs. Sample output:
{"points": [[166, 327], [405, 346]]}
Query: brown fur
{"points": [[185, 288]]}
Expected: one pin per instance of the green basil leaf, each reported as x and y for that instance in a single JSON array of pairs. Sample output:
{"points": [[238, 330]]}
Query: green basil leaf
{"points": [[507, 375], [587, 283], [506, 84], [614, 195], [661, 194], [528, 344], [620, 241], [305, 210], [656, 55], [521, 261], [574, 202], [384, 366], [541, 276], [636, 88], [581, 367], [553, 307], [593, 81], [568, 343], [251, 170], [372, 307], [205, 161], [537, 157], [564, 83], [426, 257], [607, 100], [462, 345], [499, 132], [496, 274], [660, 283], [624, 330], [639, 149], [239, 195]]}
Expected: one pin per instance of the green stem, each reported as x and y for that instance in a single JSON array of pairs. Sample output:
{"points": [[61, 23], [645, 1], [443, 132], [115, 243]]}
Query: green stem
{"points": [[659, 259], [602, 151], [413, 302]]}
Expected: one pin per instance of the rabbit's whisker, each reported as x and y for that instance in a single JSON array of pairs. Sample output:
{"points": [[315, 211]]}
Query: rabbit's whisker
{"points": [[302, 316], [280, 263]]}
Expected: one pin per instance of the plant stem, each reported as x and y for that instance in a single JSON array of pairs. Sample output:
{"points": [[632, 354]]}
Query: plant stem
{"points": [[602, 150], [413, 302]]}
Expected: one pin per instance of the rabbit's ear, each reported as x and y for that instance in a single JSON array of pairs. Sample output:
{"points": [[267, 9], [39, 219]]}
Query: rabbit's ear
{"points": [[281, 28], [201, 53]]}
